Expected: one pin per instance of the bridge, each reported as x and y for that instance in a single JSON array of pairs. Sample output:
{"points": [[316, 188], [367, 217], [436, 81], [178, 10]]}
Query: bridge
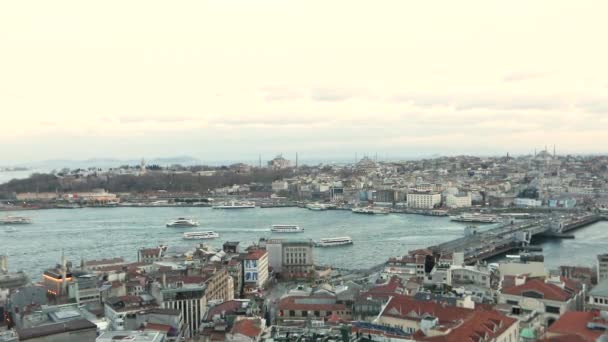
{"points": [[512, 236]]}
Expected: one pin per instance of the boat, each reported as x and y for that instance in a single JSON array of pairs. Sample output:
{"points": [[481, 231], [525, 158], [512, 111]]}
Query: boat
{"points": [[182, 222], [286, 228], [15, 220], [10, 230], [317, 206], [370, 211], [476, 217], [235, 205], [337, 241], [201, 235]]}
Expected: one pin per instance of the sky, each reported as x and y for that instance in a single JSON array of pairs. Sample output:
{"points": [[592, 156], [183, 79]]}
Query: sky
{"points": [[229, 79]]}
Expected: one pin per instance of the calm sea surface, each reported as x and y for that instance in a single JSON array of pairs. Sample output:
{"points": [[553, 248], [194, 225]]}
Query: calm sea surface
{"points": [[94, 233]]}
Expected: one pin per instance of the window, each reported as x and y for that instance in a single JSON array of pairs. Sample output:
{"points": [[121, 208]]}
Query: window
{"points": [[292, 313], [552, 309], [512, 302], [317, 314]]}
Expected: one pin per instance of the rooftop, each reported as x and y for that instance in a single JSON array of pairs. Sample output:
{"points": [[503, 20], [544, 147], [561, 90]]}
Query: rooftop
{"points": [[546, 290], [575, 323], [55, 328], [130, 336]]}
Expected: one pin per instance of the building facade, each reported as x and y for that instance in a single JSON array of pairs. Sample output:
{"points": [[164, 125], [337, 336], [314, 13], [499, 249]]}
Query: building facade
{"points": [[423, 200]]}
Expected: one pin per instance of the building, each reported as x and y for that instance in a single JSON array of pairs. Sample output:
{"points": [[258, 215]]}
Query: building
{"points": [[550, 298], [150, 255], [117, 309], [279, 163], [602, 267], [434, 321], [458, 200], [527, 202], [131, 336], [246, 330], [291, 258], [464, 275], [578, 326], [302, 308], [255, 268], [423, 200], [73, 330], [220, 285], [186, 294], [598, 296]]}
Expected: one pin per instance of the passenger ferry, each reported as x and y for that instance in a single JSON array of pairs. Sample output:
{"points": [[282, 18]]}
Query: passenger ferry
{"points": [[317, 206], [201, 235], [235, 205], [476, 217], [182, 222], [286, 228], [337, 241], [15, 220], [370, 211]]}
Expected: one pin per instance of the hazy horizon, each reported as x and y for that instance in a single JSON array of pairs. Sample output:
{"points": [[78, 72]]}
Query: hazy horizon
{"points": [[227, 80]]}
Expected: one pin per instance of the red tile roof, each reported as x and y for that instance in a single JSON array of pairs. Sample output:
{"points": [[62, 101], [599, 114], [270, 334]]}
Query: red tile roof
{"points": [[255, 254], [548, 290], [575, 323], [483, 325], [247, 327], [299, 303], [406, 307], [394, 285]]}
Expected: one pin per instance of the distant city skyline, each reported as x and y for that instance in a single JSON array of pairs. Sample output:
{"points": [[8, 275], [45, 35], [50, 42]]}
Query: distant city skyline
{"points": [[221, 80]]}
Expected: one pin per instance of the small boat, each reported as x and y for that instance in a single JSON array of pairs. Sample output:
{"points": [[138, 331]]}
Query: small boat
{"points": [[182, 222], [15, 220], [370, 211], [201, 235], [286, 228], [235, 205], [10, 230], [337, 241]]}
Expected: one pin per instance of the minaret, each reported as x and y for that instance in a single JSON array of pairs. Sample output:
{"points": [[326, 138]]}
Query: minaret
{"points": [[142, 166], [296, 160], [554, 155], [260, 160]]}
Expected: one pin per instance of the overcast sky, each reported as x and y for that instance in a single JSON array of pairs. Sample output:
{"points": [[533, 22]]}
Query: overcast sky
{"points": [[231, 79]]}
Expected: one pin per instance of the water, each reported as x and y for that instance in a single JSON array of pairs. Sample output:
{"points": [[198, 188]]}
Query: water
{"points": [[95, 233]]}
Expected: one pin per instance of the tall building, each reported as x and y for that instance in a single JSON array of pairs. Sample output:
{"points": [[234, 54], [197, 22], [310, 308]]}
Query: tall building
{"points": [[291, 258], [255, 268], [186, 294], [602, 267]]}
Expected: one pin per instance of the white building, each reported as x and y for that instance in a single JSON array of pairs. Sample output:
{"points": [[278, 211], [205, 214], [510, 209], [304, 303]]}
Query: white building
{"points": [[255, 267], [423, 200], [602, 267], [527, 202], [280, 186], [458, 201]]}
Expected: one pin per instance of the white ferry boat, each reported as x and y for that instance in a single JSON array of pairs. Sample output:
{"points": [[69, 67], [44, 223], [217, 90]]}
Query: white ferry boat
{"points": [[235, 205], [317, 206], [337, 241], [286, 228], [476, 217], [15, 220], [201, 235], [182, 222], [370, 211]]}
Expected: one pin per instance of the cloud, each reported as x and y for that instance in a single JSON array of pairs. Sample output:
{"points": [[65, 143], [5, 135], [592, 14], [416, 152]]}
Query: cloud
{"points": [[485, 101], [522, 76], [281, 93], [268, 120], [168, 118], [333, 94], [594, 105]]}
